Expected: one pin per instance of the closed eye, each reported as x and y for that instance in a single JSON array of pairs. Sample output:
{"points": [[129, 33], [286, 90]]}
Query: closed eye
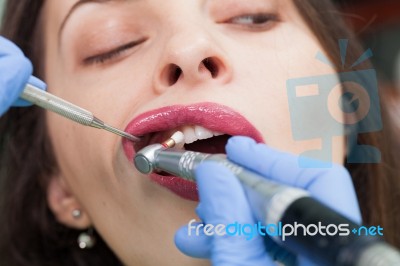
{"points": [[259, 21], [113, 54]]}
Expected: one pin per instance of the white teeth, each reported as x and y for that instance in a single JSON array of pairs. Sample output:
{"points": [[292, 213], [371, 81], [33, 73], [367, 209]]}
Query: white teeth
{"points": [[189, 135], [193, 133], [202, 133]]}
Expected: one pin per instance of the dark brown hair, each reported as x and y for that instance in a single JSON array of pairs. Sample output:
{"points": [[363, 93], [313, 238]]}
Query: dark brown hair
{"points": [[377, 184], [30, 234]]}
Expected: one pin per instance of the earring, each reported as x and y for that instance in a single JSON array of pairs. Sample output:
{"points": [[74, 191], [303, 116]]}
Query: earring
{"points": [[86, 240], [76, 213]]}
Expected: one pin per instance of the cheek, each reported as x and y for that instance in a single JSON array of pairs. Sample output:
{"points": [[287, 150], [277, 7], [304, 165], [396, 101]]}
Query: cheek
{"points": [[81, 155], [111, 93], [84, 154], [91, 160], [294, 94]]}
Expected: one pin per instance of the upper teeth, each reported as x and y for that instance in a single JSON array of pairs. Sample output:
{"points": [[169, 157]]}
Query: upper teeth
{"points": [[193, 133]]}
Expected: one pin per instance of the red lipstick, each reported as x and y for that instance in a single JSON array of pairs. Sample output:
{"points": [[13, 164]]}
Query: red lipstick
{"points": [[212, 116]]}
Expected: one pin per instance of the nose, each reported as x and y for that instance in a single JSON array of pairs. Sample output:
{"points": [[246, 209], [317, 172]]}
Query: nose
{"points": [[191, 59]]}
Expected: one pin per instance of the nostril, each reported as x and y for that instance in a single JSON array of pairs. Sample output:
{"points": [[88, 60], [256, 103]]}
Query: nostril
{"points": [[193, 71], [212, 65], [171, 74], [176, 72]]}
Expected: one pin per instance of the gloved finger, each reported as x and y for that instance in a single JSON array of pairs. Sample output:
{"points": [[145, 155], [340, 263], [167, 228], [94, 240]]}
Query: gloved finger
{"points": [[220, 190], [193, 244], [35, 82], [15, 72], [199, 245], [271, 163], [284, 168], [223, 201], [9, 48]]}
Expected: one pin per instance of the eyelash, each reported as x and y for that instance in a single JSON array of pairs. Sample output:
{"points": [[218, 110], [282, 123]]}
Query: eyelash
{"points": [[259, 21], [102, 58]]}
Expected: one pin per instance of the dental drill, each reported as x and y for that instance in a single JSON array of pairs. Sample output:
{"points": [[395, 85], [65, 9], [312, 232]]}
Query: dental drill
{"points": [[55, 104], [273, 203]]}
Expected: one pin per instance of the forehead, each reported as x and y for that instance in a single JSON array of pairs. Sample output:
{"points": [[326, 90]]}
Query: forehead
{"points": [[60, 10], [64, 7], [55, 11], [58, 13]]}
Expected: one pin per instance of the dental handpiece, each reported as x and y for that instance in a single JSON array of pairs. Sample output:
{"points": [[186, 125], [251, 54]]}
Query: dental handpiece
{"points": [[75, 113], [273, 203]]}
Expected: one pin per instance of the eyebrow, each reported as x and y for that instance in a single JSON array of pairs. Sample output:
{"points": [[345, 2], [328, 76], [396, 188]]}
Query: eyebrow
{"points": [[75, 7]]}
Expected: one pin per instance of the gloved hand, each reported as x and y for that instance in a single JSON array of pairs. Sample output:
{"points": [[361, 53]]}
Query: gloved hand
{"points": [[223, 201], [15, 72]]}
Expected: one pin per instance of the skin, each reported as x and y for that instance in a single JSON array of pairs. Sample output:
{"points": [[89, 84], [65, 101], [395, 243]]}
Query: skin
{"points": [[135, 216]]}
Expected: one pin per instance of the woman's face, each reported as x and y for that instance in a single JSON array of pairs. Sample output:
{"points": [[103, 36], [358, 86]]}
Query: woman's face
{"points": [[154, 65]]}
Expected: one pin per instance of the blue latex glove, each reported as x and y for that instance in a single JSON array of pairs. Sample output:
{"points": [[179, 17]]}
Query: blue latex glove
{"points": [[15, 72], [223, 201]]}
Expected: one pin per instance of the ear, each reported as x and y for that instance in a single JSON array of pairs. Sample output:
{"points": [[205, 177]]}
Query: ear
{"points": [[63, 203]]}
